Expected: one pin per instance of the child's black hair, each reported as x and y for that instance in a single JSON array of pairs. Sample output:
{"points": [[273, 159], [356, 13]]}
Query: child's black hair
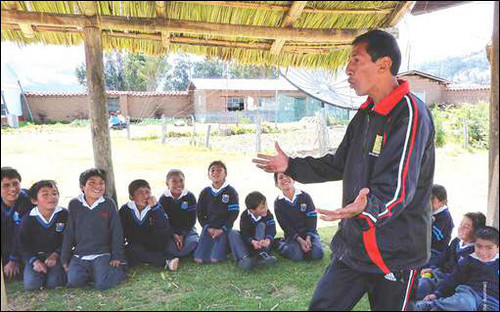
{"points": [[37, 186], [11, 173], [174, 172], [440, 192], [276, 177], [478, 219], [135, 185], [217, 163], [89, 173], [488, 233], [254, 199]]}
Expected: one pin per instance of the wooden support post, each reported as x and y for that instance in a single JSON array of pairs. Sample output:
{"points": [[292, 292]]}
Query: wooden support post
{"points": [[466, 133], [290, 17], [163, 129], [128, 126], [493, 146], [101, 140], [4, 292], [258, 132], [207, 140]]}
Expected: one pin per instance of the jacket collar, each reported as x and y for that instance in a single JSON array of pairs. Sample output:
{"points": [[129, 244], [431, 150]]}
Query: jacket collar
{"points": [[140, 215], [168, 193], [35, 212], [440, 210], [81, 198], [297, 193], [386, 105]]}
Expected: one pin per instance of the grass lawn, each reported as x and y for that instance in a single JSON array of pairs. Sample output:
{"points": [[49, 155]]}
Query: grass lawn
{"points": [[286, 286]]}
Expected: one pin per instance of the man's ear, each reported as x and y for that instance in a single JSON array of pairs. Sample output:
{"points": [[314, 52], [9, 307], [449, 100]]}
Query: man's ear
{"points": [[34, 201], [384, 64]]}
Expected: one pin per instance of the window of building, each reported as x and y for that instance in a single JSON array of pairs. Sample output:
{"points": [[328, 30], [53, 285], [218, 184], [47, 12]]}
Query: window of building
{"points": [[235, 104]]}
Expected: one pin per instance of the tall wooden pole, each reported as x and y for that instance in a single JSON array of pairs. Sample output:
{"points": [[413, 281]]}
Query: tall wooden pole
{"points": [[101, 140], [493, 152]]}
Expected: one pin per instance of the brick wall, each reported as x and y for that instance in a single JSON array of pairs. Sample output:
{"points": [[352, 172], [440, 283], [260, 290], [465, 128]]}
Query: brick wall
{"points": [[434, 90], [59, 108], [467, 96]]}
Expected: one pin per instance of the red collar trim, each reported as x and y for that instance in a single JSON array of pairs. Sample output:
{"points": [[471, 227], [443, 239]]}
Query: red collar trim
{"points": [[385, 106]]}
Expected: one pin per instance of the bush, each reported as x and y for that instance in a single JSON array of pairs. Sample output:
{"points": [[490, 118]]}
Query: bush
{"points": [[80, 123]]}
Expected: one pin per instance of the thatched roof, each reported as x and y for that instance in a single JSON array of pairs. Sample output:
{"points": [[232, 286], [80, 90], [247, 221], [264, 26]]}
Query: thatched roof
{"points": [[298, 33]]}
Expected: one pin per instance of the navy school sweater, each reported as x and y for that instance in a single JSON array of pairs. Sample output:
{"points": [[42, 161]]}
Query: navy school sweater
{"points": [[219, 209], [152, 232], [11, 221], [474, 273], [93, 231], [181, 212], [442, 226], [449, 258], [38, 238], [296, 218], [248, 226]]}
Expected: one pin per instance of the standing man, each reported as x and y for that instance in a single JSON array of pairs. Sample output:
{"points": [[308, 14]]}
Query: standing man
{"points": [[386, 163]]}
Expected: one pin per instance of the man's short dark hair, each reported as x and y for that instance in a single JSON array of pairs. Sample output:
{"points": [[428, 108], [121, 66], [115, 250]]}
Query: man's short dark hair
{"points": [[37, 186], [440, 192], [379, 44], [136, 184], [174, 172], [254, 199], [488, 233], [217, 163], [478, 219], [11, 173], [89, 173]]}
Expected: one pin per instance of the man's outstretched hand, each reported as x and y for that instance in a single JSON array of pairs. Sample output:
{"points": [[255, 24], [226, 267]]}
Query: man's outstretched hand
{"points": [[349, 211], [277, 163]]}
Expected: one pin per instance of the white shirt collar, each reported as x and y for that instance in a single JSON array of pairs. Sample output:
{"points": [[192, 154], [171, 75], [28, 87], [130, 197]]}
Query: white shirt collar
{"points": [[297, 193], [35, 212], [462, 245], [256, 219], [139, 214], [168, 193], [218, 190], [477, 258], [81, 198], [440, 210]]}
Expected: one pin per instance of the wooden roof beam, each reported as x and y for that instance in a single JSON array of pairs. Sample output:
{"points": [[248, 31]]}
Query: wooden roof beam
{"points": [[26, 28], [398, 13], [290, 17], [259, 6], [161, 12], [181, 26]]}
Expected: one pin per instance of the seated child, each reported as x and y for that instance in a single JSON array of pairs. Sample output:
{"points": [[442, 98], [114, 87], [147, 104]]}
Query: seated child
{"points": [[460, 247], [218, 208], [146, 228], [95, 231], [180, 206], [442, 223], [15, 204], [474, 284], [296, 215], [41, 236], [258, 229]]}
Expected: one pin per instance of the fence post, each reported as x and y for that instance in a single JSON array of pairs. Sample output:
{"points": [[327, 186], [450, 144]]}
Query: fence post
{"points": [[207, 140], [193, 140], [323, 132], [466, 133], [163, 129], [258, 131], [127, 120]]}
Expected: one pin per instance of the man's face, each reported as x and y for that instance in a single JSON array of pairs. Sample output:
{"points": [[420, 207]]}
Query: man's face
{"points": [[486, 250], [141, 197], [11, 188], [94, 188], [362, 72]]}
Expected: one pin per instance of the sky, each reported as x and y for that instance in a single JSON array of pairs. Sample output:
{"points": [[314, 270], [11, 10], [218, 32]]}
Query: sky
{"points": [[451, 32]]}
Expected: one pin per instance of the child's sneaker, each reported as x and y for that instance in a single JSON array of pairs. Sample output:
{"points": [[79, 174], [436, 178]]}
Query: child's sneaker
{"points": [[266, 259], [245, 263], [172, 265]]}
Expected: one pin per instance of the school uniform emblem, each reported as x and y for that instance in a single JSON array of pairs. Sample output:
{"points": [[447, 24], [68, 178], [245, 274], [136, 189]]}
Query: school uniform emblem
{"points": [[184, 205], [303, 207], [59, 227], [16, 217], [377, 146], [225, 198]]}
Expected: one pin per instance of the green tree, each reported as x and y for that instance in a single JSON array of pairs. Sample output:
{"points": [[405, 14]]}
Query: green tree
{"points": [[177, 78]]}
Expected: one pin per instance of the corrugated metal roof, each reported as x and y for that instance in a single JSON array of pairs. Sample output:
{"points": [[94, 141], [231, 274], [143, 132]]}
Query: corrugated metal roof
{"points": [[243, 84], [108, 93]]}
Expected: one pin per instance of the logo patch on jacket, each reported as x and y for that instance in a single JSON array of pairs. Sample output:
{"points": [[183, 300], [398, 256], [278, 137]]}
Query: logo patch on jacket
{"points": [[184, 205], [59, 227], [225, 198], [303, 207], [104, 214], [377, 146]]}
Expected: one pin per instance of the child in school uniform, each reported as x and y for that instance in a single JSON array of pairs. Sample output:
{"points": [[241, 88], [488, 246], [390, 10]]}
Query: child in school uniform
{"points": [[460, 247], [146, 228], [41, 235], [296, 215], [474, 284], [442, 223], [252, 245], [95, 232], [15, 205], [218, 208], [180, 206]]}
